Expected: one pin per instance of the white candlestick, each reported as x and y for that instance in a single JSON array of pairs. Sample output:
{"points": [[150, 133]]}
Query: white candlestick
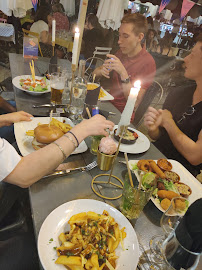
{"points": [[53, 30], [75, 46], [128, 110]]}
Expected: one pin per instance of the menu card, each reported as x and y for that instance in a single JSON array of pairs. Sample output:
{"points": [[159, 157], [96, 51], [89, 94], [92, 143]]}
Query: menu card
{"points": [[30, 47]]}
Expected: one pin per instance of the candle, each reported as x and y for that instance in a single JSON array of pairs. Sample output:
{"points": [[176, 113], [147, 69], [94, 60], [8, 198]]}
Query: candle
{"points": [[75, 46], [128, 110], [53, 31]]}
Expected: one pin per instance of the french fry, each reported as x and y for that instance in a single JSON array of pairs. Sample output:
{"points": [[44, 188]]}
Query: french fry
{"points": [[71, 260], [30, 133], [62, 237], [94, 260]]}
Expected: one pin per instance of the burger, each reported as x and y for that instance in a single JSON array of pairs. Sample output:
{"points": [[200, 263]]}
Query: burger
{"points": [[45, 134]]}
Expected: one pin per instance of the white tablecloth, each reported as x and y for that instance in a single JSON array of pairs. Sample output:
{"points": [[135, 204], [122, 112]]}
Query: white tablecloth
{"points": [[19, 7], [7, 31], [110, 13]]}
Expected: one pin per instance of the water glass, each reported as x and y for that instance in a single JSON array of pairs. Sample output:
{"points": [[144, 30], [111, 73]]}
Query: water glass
{"points": [[57, 83]]}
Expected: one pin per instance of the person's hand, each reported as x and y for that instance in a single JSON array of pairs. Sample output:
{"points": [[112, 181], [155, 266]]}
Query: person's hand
{"points": [[96, 125], [114, 63], [15, 117], [166, 116], [152, 119]]}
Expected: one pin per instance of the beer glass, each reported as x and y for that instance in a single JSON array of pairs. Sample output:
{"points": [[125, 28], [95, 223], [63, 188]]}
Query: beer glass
{"points": [[57, 84]]}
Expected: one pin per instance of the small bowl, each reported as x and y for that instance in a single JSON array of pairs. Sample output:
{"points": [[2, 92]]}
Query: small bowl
{"points": [[164, 164], [125, 141], [183, 193]]}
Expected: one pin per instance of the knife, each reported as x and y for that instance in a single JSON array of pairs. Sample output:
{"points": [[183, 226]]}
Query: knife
{"points": [[65, 172], [50, 106]]}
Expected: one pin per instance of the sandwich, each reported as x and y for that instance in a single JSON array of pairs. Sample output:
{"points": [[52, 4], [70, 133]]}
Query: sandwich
{"points": [[45, 134]]}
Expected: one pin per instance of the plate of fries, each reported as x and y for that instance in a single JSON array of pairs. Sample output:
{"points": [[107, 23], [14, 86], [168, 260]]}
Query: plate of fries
{"points": [[104, 95], [24, 132], [87, 234]]}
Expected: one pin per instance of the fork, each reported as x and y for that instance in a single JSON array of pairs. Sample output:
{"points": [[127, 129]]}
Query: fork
{"points": [[81, 169]]}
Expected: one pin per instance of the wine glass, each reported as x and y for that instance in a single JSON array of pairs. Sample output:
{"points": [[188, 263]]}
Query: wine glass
{"points": [[169, 222]]}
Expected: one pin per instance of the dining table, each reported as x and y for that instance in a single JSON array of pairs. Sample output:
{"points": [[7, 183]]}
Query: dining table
{"points": [[51, 192]]}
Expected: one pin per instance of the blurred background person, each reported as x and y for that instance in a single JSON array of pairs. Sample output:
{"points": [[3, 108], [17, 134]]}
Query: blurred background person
{"points": [[92, 36], [62, 22], [150, 22], [165, 45], [151, 40]]}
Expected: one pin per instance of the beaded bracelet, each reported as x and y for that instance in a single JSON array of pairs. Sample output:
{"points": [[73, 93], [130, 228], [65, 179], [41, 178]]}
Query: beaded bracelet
{"points": [[74, 137], [75, 146], [65, 156]]}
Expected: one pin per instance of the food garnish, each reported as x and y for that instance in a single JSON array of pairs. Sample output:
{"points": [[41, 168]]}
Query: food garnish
{"points": [[37, 86], [91, 242]]}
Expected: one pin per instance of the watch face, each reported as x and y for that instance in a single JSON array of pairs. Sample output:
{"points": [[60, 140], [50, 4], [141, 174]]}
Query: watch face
{"points": [[126, 80]]}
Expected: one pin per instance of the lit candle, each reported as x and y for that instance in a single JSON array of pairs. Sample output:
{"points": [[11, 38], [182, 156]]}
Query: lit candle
{"points": [[128, 110], [75, 46], [53, 31]]}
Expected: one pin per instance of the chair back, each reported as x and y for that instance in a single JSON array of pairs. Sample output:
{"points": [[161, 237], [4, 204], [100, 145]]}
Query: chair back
{"points": [[33, 34], [91, 64], [152, 98], [101, 51]]}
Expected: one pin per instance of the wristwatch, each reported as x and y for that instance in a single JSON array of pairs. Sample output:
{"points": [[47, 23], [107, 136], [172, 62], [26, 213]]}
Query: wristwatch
{"points": [[127, 80]]}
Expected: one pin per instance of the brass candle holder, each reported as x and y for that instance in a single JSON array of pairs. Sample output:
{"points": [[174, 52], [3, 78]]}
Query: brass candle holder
{"points": [[123, 130], [53, 46]]}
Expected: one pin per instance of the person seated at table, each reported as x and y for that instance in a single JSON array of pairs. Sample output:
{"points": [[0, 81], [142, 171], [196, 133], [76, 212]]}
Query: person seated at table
{"points": [[92, 36], [62, 22], [177, 128], [165, 45], [24, 171], [132, 62], [7, 107], [151, 40]]}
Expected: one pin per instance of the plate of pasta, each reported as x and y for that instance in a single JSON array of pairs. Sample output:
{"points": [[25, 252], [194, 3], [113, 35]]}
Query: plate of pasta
{"points": [[87, 234]]}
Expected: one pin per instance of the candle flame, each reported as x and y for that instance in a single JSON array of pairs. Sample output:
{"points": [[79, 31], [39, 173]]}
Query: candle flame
{"points": [[137, 84], [76, 30]]}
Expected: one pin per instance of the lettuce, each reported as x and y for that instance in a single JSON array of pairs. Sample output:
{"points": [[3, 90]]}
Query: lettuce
{"points": [[134, 167], [169, 185]]}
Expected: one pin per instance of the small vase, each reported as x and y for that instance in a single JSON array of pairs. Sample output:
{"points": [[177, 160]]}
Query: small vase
{"points": [[104, 161]]}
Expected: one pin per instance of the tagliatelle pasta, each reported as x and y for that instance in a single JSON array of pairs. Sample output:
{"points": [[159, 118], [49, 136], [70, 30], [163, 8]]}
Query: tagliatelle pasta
{"points": [[91, 242]]}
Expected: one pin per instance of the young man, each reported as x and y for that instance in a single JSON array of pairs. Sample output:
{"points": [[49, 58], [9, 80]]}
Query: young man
{"points": [[177, 128], [132, 62], [24, 171]]}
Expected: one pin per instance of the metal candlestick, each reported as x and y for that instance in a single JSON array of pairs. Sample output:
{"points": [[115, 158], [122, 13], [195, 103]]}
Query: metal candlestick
{"points": [[109, 182], [53, 46]]}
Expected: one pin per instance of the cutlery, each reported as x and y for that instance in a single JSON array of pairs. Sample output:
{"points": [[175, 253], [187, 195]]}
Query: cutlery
{"points": [[81, 169], [50, 106]]}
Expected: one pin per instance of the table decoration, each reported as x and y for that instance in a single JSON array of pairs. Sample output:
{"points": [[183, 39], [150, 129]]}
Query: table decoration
{"points": [[122, 128]]}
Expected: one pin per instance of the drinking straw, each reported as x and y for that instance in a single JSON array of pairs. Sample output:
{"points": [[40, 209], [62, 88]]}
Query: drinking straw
{"points": [[129, 172], [33, 70], [51, 114], [88, 112], [94, 78]]}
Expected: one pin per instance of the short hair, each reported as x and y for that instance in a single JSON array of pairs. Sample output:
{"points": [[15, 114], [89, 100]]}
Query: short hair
{"points": [[199, 38], [57, 8], [93, 19], [138, 21], [41, 14]]}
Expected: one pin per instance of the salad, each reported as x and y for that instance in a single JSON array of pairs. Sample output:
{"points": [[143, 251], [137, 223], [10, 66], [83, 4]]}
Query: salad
{"points": [[37, 86]]}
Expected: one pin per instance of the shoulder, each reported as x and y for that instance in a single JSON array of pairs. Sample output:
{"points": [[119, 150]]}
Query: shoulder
{"points": [[43, 25]]}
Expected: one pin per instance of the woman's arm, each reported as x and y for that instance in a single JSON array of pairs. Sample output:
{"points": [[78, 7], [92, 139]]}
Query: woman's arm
{"points": [[41, 162]]}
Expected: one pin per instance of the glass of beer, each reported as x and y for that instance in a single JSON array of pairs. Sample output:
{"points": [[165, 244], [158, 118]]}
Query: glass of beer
{"points": [[57, 84]]}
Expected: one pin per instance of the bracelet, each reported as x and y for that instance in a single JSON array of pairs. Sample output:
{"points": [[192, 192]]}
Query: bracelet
{"points": [[60, 149], [75, 146], [74, 137]]}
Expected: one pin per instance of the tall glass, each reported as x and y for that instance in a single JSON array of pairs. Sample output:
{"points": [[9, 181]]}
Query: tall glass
{"points": [[57, 83]]}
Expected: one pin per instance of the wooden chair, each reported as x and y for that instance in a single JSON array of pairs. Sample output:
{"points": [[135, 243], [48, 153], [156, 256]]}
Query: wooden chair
{"points": [[101, 51], [33, 34], [152, 98]]}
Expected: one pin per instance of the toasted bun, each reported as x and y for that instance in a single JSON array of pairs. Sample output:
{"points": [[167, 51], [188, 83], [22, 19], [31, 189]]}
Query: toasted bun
{"points": [[47, 134]]}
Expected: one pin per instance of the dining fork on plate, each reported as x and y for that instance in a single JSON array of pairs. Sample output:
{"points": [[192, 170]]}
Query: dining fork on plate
{"points": [[79, 169]]}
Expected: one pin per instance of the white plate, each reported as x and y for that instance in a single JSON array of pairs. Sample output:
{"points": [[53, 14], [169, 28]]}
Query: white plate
{"points": [[16, 83], [107, 97], [185, 177], [141, 145], [24, 141], [56, 223]]}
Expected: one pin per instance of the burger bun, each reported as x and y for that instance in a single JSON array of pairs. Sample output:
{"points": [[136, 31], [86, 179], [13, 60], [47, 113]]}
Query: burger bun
{"points": [[46, 133]]}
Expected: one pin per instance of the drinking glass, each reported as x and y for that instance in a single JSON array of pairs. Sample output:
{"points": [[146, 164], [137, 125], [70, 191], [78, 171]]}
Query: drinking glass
{"points": [[133, 200], [57, 83], [169, 222]]}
